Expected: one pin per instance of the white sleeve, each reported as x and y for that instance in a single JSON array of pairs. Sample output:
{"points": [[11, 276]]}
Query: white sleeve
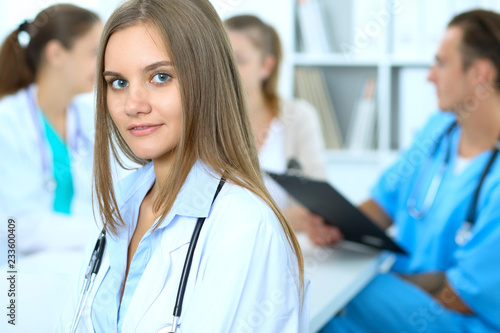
{"points": [[249, 281], [23, 199], [39, 230], [305, 141]]}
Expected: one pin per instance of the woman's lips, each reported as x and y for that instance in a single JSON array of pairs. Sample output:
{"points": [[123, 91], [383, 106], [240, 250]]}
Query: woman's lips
{"points": [[143, 130]]}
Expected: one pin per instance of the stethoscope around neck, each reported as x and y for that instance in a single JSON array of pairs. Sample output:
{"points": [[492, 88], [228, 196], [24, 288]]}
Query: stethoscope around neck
{"points": [[464, 233], [49, 182], [95, 264]]}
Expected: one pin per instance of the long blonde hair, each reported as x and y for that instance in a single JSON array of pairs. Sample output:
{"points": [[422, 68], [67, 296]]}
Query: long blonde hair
{"points": [[264, 37], [215, 126]]}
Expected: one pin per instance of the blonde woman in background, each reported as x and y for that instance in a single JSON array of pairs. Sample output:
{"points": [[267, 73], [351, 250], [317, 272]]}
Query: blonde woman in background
{"points": [[284, 129]]}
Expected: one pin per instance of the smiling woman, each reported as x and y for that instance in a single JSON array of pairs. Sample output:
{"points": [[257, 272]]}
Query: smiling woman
{"points": [[139, 85], [169, 95]]}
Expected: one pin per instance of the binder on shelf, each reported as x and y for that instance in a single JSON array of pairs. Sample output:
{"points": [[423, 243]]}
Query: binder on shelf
{"points": [[310, 85], [433, 22], [406, 31], [312, 27], [322, 199], [361, 132], [369, 24]]}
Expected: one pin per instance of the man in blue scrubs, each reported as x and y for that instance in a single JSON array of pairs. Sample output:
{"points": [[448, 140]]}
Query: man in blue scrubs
{"points": [[450, 282]]}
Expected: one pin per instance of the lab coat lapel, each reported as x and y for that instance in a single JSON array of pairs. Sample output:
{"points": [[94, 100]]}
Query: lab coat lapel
{"points": [[159, 278]]}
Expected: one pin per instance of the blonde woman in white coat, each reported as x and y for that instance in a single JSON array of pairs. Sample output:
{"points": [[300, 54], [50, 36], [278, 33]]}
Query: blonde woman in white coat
{"points": [[284, 130]]}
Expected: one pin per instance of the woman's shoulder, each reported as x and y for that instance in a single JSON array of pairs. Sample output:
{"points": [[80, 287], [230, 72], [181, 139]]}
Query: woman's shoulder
{"points": [[297, 109], [13, 105], [241, 209], [84, 105]]}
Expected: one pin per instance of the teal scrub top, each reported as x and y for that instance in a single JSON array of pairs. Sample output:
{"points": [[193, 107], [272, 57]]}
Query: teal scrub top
{"points": [[473, 269], [64, 191]]}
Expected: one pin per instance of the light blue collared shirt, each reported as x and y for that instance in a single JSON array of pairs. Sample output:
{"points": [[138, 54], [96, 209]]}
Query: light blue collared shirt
{"points": [[194, 200]]}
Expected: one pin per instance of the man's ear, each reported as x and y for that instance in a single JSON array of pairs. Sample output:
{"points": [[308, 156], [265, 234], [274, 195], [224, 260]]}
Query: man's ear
{"points": [[483, 72], [268, 64], [54, 53]]}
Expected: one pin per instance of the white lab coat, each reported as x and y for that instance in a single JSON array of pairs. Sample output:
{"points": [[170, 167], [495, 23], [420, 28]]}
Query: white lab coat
{"points": [[243, 276], [23, 195]]}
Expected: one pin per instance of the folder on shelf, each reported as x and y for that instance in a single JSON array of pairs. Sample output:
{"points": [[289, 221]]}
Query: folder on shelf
{"points": [[322, 199], [311, 86], [361, 133]]}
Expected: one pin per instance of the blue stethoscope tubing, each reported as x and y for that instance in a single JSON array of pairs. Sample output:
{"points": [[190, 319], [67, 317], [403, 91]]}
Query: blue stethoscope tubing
{"points": [[463, 234], [436, 180], [49, 182], [95, 264]]}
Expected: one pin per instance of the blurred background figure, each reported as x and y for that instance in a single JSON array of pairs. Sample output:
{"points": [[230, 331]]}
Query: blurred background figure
{"points": [[47, 71], [287, 132], [47, 130]]}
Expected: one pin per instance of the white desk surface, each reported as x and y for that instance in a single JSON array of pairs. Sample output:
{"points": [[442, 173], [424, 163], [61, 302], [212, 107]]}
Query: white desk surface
{"points": [[337, 274]]}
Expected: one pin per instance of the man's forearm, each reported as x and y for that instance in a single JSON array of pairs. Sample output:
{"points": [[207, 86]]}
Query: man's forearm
{"points": [[438, 287], [430, 282]]}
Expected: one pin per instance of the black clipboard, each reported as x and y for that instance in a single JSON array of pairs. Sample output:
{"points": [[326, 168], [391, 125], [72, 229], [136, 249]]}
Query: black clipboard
{"points": [[322, 199]]}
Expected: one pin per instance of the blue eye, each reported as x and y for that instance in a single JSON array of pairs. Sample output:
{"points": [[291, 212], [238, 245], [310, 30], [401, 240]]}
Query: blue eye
{"points": [[119, 84], [161, 78]]}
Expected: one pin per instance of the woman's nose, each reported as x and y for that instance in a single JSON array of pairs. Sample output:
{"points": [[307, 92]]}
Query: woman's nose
{"points": [[137, 101]]}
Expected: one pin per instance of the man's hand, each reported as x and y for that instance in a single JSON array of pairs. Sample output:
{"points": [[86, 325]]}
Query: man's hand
{"points": [[318, 231]]}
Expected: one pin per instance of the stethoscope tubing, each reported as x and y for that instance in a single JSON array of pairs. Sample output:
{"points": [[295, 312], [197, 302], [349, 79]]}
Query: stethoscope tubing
{"points": [[436, 181]]}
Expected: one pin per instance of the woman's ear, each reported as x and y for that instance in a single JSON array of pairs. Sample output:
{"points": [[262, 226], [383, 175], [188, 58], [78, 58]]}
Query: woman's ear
{"points": [[268, 65], [54, 53]]}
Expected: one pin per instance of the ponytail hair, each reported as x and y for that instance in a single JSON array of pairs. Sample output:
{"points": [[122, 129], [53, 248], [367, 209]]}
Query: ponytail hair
{"points": [[19, 62], [265, 38], [15, 71]]}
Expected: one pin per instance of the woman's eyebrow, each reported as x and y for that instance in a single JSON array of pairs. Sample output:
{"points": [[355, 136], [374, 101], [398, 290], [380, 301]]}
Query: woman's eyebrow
{"points": [[157, 64], [146, 69], [109, 73]]}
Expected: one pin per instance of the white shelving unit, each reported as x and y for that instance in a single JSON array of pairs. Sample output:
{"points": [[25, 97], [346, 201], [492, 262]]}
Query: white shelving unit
{"points": [[391, 40], [400, 39]]}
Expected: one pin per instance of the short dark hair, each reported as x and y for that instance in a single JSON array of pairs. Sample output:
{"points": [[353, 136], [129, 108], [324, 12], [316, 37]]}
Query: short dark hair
{"points": [[481, 37]]}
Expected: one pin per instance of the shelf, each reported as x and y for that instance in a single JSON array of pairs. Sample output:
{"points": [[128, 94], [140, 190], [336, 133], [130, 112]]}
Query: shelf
{"points": [[344, 60], [409, 62], [361, 157], [332, 59]]}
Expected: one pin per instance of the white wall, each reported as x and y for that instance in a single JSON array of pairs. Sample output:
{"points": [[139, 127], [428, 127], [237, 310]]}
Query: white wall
{"points": [[276, 12]]}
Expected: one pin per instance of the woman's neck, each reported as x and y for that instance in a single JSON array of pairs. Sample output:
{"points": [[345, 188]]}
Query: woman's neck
{"points": [[53, 99], [480, 128], [162, 166]]}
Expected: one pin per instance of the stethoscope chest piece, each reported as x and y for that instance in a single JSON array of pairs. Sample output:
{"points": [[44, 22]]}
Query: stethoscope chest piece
{"points": [[50, 184], [464, 234], [166, 329]]}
